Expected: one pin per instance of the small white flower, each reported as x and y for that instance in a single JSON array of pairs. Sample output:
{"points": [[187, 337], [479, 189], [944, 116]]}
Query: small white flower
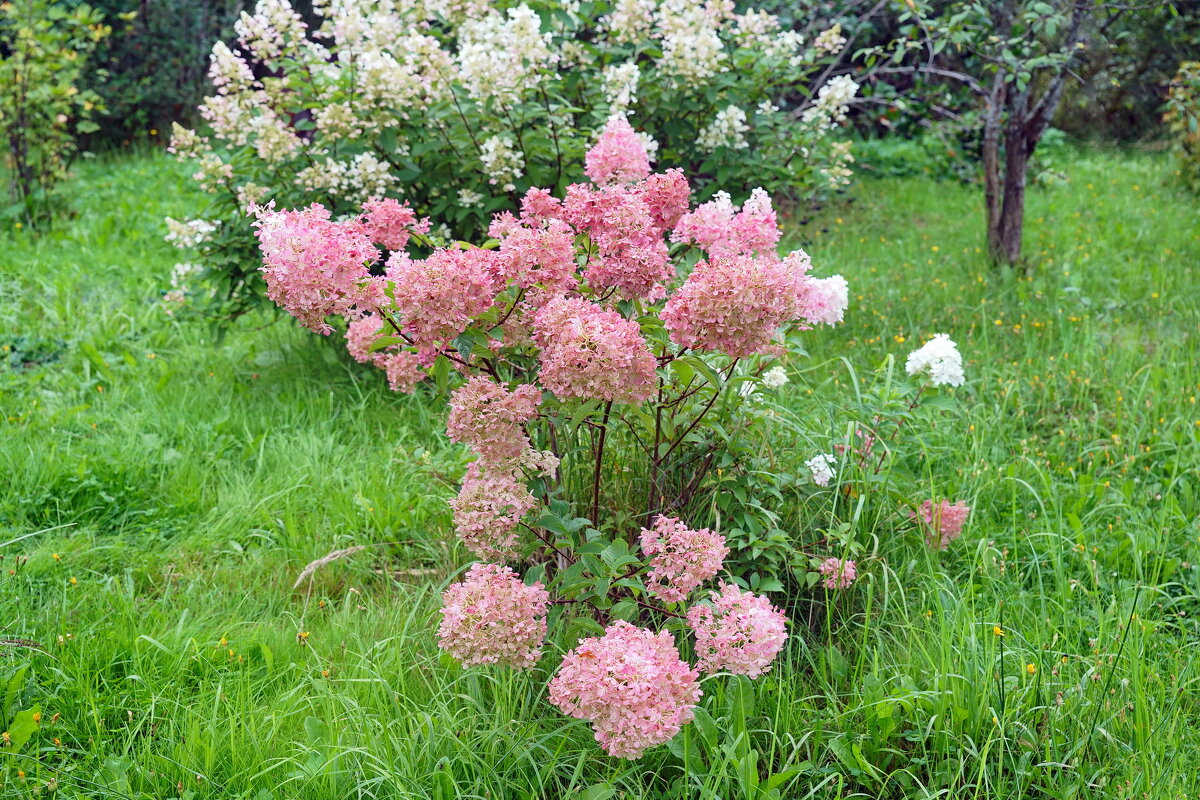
{"points": [[821, 467], [939, 359], [774, 378]]}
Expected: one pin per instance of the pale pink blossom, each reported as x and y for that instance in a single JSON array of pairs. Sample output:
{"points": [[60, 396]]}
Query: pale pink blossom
{"points": [[666, 195], [315, 267], [540, 205], [404, 370], [361, 333], [391, 223], [488, 509], [535, 256], [589, 352], [490, 419], [738, 632], [630, 252], [943, 522], [720, 229], [619, 156], [735, 305], [491, 617], [437, 298], [838, 574], [631, 685], [824, 300], [681, 559]]}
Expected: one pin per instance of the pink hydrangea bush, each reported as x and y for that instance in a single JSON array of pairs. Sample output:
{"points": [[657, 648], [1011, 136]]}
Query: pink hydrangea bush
{"points": [[491, 617], [631, 685], [574, 322]]}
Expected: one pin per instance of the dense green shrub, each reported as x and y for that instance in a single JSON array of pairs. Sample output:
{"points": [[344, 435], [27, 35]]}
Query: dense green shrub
{"points": [[152, 71], [1126, 71], [1183, 121], [43, 50]]}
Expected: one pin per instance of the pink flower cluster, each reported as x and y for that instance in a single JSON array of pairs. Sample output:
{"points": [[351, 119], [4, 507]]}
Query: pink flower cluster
{"points": [[838, 573], [682, 559], [722, 230], [631, 253], [391, 223], [361, 333], [943, 522], [403, 368], [739, 632], [488, 509], [589, 352], [490, 419], [535, 253], [736, 304], [315, 267], [631, 684], [494, 618], [618, 156], [436, 298]]}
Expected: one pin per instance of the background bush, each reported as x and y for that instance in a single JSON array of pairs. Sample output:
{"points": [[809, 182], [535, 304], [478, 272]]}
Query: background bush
{"points": [[151, 72], [44, 48]]}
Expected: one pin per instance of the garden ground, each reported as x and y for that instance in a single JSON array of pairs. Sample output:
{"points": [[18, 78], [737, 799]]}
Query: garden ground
{"points": [[170, 488]]}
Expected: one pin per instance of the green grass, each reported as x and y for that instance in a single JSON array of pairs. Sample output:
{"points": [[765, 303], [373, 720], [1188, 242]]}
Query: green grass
{"points": [[180, 486]]}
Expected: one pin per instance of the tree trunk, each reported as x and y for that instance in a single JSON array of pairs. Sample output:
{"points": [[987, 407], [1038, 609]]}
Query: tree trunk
{"points": [[992, 183], [1012, 211]]}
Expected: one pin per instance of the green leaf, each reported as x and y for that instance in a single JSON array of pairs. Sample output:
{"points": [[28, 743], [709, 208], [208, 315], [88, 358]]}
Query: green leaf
{"points": [[23, 727], [626, 610], [14, 685], [316, 730], [598, 791]]}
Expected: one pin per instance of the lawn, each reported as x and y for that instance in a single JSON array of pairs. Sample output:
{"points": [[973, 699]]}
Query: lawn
{"points": [[163, 490]]}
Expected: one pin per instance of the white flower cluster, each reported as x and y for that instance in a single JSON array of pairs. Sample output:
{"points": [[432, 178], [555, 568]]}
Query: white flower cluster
{"points": [[251, 194], [649, 143], [273, 28], [274, 140], [775, 378], [502, 57], [185, 143], [692, 50], [362, 178], [501, 162], [939, 359], [727, 130], [837, 173], [212, 172], [830, 41], [338, 120], [832, 103], [821, 468], [620, 82], [228, 71], [189, 233], [393, 85], [630, 20], [470, 199]]}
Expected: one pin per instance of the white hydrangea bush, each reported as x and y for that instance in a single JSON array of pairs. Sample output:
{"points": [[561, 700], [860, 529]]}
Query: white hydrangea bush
{"points": [[459, 106]]}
